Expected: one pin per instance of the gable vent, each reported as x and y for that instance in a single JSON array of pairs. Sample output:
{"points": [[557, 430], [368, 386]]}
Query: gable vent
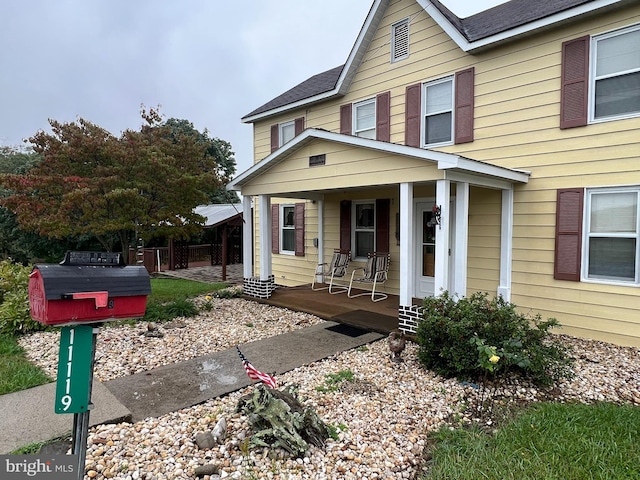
{"points": [[400, 40]]}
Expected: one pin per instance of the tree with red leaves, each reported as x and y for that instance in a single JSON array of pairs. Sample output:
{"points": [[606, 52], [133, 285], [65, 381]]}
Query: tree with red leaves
{"points": [[143, 184]]}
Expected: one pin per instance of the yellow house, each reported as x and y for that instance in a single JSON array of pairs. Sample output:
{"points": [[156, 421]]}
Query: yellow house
{"points": [[496, 153]]}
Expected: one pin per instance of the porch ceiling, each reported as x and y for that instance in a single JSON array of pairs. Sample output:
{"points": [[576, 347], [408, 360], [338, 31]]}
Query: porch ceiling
{"points": [[353, 162]]}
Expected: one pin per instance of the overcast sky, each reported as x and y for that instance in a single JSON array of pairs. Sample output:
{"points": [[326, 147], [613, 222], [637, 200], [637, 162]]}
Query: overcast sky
{"points": [[207, 61]]}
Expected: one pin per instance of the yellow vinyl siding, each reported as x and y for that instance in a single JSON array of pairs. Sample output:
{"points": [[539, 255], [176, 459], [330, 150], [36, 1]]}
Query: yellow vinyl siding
{"points": [[346, 167], [483, 267], [516, 125], [290, 270]]}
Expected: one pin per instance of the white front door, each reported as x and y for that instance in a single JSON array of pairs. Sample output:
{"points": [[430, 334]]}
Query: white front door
{"points": [[425, 242]]}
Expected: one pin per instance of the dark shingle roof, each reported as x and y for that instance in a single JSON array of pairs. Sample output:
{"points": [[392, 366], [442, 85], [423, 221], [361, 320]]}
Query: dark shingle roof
{"points": [[496, 20], [505, 17], [316, 85]]}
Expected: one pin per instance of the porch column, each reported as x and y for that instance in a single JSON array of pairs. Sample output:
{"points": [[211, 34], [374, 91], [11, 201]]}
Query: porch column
{"points": [[506, 244], [265, 237], [460, 249], [247, 238], [407, 261], [441, 270]]}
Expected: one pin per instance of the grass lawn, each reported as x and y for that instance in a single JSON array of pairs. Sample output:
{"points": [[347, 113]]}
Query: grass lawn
{"points": [[16, 372], [546, 441], [170, 289], [167, 300]]}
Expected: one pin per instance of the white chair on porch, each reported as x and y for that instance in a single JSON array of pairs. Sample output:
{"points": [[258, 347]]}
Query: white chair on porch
{"points": [[336, 269], [373, 275]]}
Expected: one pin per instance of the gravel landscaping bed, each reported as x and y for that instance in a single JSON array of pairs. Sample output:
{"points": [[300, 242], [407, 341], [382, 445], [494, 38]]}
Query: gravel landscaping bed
{"points": [[381, 418]]}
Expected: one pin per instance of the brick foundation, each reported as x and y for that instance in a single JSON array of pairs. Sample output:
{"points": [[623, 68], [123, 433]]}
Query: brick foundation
{"points": [[408, 318], [254, 287]]}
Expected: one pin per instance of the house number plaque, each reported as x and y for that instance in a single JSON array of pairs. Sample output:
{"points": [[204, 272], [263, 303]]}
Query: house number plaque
{"points": [[73, 387]]}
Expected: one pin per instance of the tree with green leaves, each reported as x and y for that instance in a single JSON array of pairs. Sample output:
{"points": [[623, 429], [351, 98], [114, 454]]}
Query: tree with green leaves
{"points": [[143, 184], [216, 148], [15, 243], [17, 160]]}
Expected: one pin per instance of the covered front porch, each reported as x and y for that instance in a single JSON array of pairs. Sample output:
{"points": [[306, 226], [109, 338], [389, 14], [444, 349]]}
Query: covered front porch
{"points": [[446, 221]]}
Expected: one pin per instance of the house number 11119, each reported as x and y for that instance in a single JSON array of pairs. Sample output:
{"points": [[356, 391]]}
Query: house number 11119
{"points": [[73, 385]]}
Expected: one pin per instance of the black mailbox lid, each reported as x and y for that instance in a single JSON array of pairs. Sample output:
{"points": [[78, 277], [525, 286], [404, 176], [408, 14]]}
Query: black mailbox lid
{"points": [[61, 280]]}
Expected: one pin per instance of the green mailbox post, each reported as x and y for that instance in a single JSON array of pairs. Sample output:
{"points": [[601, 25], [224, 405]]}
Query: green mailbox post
{"points": [[75, 361]]}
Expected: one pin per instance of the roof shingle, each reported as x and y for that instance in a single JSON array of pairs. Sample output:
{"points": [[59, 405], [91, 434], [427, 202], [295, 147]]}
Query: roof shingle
{"points": [[320, 83], [493, 21], [505, 17]]}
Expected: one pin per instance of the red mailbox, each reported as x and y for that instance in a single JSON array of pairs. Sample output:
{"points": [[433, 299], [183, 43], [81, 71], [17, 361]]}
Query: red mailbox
{"points": [[87, 287]]}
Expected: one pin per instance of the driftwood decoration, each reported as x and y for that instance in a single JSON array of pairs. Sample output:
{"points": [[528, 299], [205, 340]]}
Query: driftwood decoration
{"points": [[282, 421]]}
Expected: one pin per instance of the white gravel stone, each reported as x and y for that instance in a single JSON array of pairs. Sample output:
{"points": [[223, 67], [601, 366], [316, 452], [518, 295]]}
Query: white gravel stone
{"points": [[382, 417]]}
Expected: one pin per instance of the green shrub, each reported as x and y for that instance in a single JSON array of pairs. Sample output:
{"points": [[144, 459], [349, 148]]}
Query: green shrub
{"points": [[230, 292], [182, 308], [332, 381], [458, 337], [164, 312], [14, 300]]}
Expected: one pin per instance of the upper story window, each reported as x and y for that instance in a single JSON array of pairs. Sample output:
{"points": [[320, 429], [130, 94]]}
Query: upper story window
{"points": [[400, 40], [364, 228], [369, 118], [364, 119], [438, 112], [600, 78], [615, 83], [282, 133], [287, 132]]}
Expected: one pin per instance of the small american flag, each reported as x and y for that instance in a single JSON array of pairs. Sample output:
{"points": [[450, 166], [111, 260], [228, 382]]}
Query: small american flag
{"points": [[255, 374]]}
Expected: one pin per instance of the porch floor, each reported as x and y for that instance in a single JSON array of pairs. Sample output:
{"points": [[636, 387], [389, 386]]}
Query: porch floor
{"points": [[360, 312]]}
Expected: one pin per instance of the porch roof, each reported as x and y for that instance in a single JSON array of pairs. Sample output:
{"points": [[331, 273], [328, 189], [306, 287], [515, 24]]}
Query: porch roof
{"points": [[217, 214], [453, 166]]}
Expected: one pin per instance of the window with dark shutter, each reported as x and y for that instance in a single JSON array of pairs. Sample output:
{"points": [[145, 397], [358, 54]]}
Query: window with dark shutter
{"points": [[575, 83], [464, 102], [275, 138], [364, 118], [345, 224], [568, 248], [275, 228], [382, 224], [383, 117], [412, 115], [299, 229], [345, 119]]}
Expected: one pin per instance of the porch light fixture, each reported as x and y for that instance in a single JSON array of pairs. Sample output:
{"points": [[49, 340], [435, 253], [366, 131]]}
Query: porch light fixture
{"points": [[436, 217]]}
